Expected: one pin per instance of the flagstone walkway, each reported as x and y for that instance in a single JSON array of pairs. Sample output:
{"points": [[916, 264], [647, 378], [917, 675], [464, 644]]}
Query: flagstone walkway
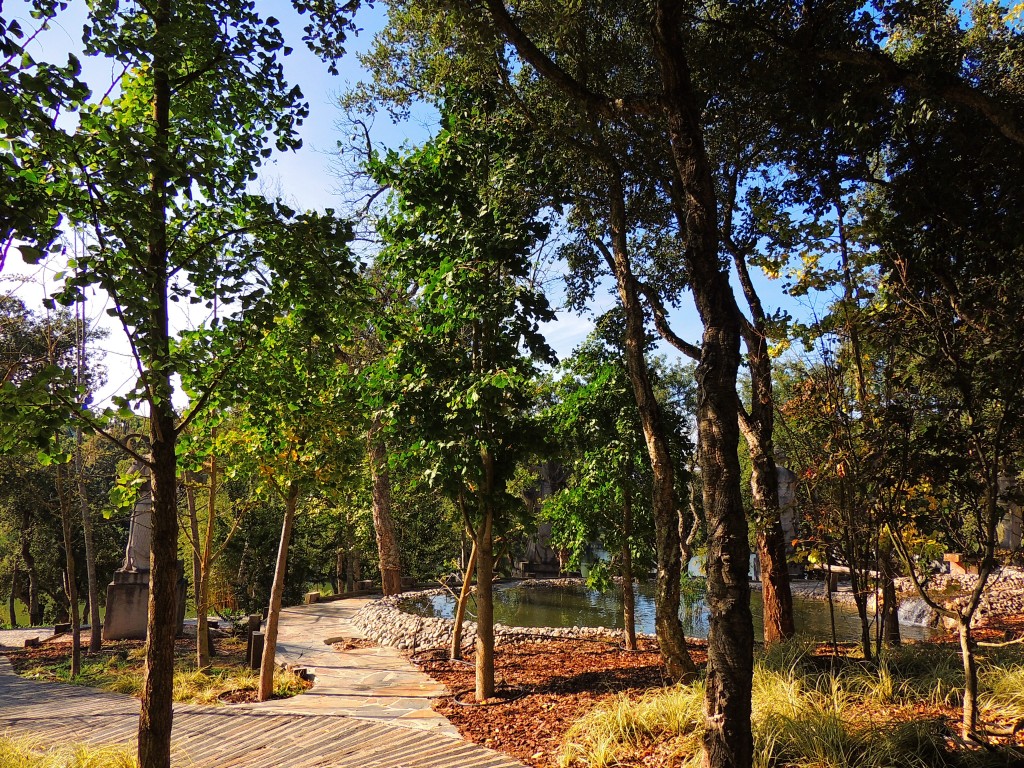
{"points": [[368, 708]]}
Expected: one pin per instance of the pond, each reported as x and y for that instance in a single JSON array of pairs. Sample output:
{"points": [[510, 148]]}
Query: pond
{"points": [[538, 605]]}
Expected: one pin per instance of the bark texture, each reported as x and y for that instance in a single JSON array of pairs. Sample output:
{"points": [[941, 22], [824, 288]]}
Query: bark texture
{"points": [[267, 664], [155, 717], [383, 522], [628, 594], [728, 740], [485, 607], [668, 629]]}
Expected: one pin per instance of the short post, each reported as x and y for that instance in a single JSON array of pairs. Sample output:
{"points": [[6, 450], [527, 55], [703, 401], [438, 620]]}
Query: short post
{"points": [[252, 625], [256, 650]]}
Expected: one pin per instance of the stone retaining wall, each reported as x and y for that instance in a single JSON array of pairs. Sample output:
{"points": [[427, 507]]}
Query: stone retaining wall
{"points": [[384, 622]]}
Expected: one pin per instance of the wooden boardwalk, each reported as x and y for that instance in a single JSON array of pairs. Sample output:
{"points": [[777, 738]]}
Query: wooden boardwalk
{"points": [[227, 737]]}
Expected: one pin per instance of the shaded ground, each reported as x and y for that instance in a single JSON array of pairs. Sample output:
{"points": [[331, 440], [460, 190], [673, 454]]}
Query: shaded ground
{"points": [[545, 686], [121, 662]]}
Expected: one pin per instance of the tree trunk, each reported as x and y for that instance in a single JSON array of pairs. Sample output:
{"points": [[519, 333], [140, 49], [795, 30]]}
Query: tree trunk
{"points": [[197, 560], [204, 650], [668, 628], [860, 599], [890, 602], [70, 585], [156, 715], [460, 609], [970, 712], [728, 740], [771, 548], [351, 577], [628, 595], [383, 523], [274, 611], [95, 627], [12, 599], [340, 584], [485, 605], [35, 611], [777, 598]]}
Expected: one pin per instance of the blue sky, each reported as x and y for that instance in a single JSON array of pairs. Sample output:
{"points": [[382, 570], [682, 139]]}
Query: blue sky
{"points": [[307, 178]]}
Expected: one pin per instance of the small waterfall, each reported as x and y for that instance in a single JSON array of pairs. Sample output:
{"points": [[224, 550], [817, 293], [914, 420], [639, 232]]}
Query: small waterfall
{"points": [[914, 610]]}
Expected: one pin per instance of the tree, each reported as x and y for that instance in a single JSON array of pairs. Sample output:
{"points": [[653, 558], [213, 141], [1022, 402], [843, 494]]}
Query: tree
{"points": [[156, 170], [460, 235], [953, 281]]}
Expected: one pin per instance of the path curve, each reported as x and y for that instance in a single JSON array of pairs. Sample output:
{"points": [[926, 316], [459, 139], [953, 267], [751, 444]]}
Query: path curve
{"points": [[374, 683], [365, 710]]}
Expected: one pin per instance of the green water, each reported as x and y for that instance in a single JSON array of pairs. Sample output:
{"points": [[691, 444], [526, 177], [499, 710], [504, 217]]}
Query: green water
{"points": [[567, 606]]}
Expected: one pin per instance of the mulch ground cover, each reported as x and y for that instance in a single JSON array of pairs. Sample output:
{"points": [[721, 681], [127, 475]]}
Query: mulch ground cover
{"points": [[544, 687]]}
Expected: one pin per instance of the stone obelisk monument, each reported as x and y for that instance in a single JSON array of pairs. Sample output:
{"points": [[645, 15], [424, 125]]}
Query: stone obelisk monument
{"points": [[128, 593]]}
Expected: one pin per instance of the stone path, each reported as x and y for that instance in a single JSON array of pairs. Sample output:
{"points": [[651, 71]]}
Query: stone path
{"points": [[368, 708], [373, 683]]}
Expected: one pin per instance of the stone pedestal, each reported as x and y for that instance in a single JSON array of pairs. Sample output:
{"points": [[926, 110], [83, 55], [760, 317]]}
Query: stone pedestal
{"points": [[128, 605]]}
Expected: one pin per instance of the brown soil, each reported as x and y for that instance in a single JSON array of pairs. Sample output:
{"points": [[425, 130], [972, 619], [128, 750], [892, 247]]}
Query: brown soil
{"points": [[544, 687]]}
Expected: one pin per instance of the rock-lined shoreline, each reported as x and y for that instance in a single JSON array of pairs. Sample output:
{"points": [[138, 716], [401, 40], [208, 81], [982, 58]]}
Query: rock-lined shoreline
{"points": [[384, 622]]}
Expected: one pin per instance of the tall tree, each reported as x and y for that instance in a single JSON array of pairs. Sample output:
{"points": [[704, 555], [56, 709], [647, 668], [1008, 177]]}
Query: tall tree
{"points": [[461, 233], [156, 171]]}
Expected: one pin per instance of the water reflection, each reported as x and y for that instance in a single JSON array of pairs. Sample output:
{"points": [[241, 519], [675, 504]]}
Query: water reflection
{"points": [[567, 606]]}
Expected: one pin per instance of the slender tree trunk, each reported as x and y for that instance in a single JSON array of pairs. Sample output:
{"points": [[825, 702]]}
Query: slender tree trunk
{"points": [[197, 560], [339, 571], [668, 628], [628, 595], [155, 718], [777, 598], [890, 602], [12, 599], [383, 523], [970, 711], [831, 606], [204, 647], [351, 577], [95, 626], [201, 554], [485, 605], [35, 611], [274, 611], [728, 739], [860, 599], [771, 549], [460, 609], [70, 581]]}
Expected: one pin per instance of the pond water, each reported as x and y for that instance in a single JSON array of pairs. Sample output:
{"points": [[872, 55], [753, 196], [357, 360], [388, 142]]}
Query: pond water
{"points": [[538, 605]]}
